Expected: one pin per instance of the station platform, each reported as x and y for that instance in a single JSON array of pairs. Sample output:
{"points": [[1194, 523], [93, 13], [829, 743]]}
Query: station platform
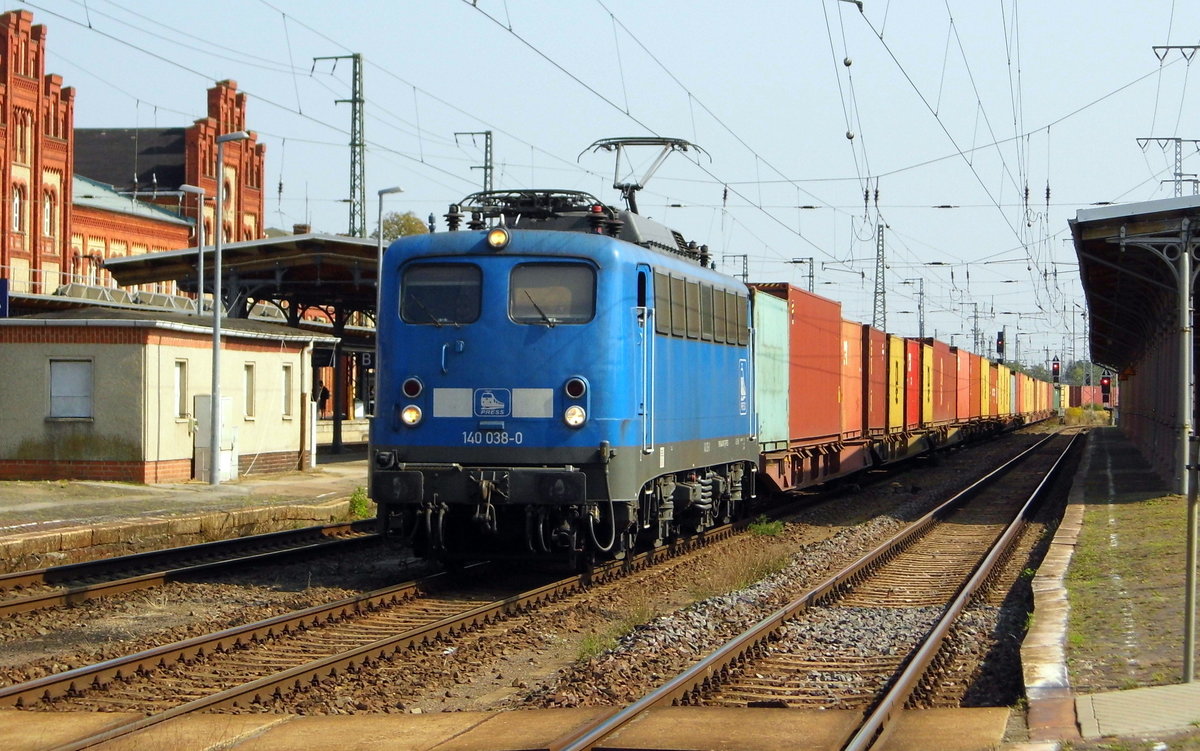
{"points": [[58, 522], [1112, 472], [1058, 714]]}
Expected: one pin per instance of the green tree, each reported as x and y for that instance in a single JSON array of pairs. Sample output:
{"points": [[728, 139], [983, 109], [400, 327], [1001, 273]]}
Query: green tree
{"points": [[396, 225]]}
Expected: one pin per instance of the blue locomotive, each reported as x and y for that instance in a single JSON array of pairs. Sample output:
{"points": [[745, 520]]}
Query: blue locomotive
{"points": [[558, 376]]}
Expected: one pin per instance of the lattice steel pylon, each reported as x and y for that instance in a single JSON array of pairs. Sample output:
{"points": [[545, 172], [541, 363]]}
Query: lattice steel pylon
{"points": [[487, 155], [358, 181], [1180, 176], [879, 319]]}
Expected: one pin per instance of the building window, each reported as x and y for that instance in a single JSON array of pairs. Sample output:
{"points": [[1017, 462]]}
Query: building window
{"points": [[71, 388], [287, 390], [22, 119], [181, 390], [48, 214], [248, 383], [18, 208]]}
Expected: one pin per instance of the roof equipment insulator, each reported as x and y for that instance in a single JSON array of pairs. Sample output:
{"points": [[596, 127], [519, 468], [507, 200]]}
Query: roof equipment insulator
{"points": [[453, 217], [596, 219]]}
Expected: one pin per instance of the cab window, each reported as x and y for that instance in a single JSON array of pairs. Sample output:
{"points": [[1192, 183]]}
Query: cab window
{"points": [[441, 293], [552, 293]]}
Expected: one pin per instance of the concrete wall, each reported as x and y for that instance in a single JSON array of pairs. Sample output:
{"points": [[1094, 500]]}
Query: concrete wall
{"points": [[114, 433]]}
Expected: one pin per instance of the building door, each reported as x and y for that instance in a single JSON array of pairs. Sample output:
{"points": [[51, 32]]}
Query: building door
{"points": [[227, 461]]}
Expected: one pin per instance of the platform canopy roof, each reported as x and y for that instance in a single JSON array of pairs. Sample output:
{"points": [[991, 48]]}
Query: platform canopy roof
{"points": [[1128, 256], [309, 270]]}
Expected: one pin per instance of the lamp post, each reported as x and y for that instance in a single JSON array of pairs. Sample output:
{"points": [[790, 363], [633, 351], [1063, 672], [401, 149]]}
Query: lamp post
{"points": [[379, 286], [214, 460], [199, 193]]}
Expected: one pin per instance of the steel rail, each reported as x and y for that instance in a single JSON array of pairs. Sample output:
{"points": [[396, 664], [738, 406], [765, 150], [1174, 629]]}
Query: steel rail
{"points": [[80, 679], [754, 639], [53, 575], [86, 592]]}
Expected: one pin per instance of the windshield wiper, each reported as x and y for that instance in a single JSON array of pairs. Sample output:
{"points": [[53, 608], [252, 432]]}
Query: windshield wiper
{"points": [[417, 301], [549, 321]]}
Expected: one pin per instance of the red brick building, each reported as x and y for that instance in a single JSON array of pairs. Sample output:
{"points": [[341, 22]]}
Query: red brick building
{"points": [[36, 118], [49, 236]]}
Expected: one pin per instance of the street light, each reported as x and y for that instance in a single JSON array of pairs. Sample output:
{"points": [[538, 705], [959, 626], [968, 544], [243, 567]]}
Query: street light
{"points": [[214, 459], [199, 193], [379, 284], [379, 270]]}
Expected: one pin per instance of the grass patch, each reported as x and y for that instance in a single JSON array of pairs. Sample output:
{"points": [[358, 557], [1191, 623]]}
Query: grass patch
{"points": [[1125, 578], [765, 528], [360, 505], [741, 571], [596, 644]]}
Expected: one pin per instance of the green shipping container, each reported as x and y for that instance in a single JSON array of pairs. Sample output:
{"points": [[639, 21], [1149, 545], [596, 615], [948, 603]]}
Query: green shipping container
{"points": [[771, 348]]}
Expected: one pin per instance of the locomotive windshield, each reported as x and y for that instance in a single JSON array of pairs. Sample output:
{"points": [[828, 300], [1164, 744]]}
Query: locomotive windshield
{"points": [[440, 293], [552, 293]]}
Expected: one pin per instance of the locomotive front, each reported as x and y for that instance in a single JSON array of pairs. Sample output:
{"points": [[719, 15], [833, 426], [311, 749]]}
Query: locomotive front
{"points": [[492, 347], [568, 381]]}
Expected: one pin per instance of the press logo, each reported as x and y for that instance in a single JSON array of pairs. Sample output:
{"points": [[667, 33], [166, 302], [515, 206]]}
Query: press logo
{"points": [[492, 402]]}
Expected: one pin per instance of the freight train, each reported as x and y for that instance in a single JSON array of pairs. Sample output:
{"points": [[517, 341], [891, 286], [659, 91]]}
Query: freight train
{"points": [[557, 376]]}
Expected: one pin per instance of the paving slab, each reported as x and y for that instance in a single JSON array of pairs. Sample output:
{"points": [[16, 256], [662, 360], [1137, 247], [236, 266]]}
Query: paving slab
{"points": [[1140, 710]]}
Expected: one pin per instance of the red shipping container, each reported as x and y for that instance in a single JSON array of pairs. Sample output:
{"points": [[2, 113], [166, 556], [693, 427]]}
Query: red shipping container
{"points": [[976, 386], [852, 380], [945, 382], [962, 399], [993, 391], [816, 363], [912, 384], [875, 367]]}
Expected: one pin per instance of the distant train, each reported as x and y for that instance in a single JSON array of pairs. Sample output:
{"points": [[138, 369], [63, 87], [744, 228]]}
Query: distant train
{"points": [[563, 377]]}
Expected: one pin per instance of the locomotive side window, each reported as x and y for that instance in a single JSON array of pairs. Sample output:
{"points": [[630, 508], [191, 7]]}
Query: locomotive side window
{"points": [[678, 308], [706, 312], [662, 303], [692, 300], [441, 293], [731, 318], [743, 337], [719, 315], [552, 293]]}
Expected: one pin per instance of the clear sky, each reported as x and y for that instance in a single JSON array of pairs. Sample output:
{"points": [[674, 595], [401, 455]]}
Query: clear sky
{"points": [[968, 106]]}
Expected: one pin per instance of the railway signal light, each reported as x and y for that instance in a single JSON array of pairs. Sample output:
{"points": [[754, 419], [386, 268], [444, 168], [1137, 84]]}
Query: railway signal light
{"points": [[1055, 369], [1105, 388], [1000, 343]]}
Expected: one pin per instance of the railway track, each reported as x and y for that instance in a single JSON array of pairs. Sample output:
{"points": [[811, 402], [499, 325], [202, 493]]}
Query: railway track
{"points": [[253, 664], [924, 577], [27, 591]]}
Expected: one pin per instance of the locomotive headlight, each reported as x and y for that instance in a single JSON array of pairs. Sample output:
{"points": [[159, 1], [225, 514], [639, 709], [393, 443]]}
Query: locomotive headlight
{"points": [[411, 415], [574, 416], [497, 238]]}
